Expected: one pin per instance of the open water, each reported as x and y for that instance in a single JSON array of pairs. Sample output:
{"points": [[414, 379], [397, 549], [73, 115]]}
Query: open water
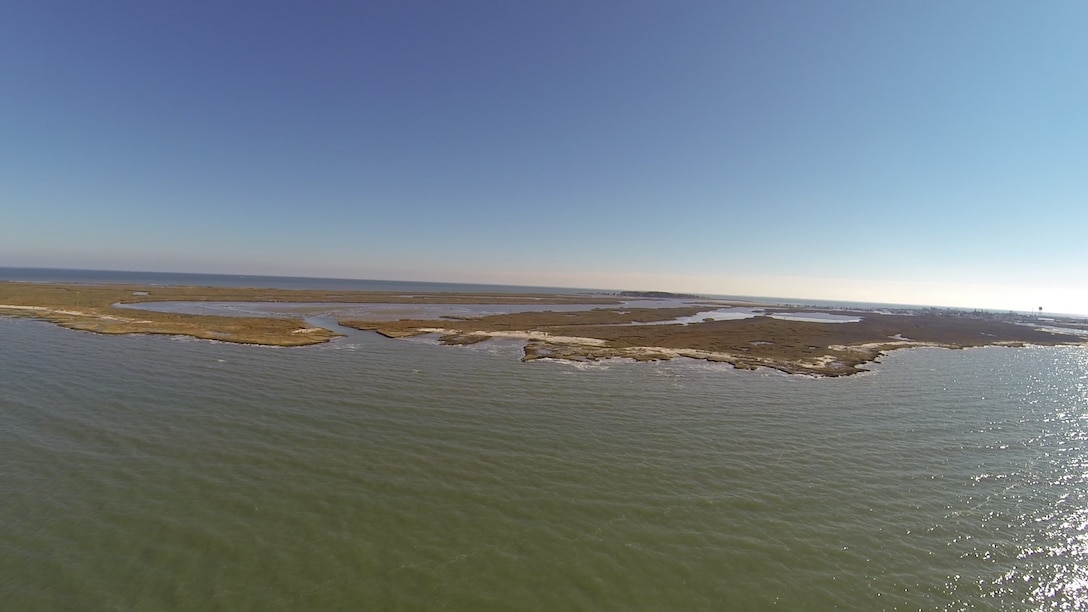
{"points": [[157, 473]]}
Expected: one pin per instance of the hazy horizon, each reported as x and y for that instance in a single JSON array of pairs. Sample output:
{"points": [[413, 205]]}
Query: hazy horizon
{"points": [[785, 299]]}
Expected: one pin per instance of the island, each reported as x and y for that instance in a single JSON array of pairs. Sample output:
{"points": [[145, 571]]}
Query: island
{"points": [[644, 326]]}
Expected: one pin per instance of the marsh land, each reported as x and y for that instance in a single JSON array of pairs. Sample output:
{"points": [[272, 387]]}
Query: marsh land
{"points": [[641, 327]]}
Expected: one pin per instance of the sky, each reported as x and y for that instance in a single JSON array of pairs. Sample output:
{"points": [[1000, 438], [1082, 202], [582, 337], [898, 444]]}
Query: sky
{"points": [[925, 152]]}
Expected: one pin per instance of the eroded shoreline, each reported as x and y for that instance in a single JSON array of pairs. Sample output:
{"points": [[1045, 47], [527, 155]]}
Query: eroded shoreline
{"points": [[608, 328]]}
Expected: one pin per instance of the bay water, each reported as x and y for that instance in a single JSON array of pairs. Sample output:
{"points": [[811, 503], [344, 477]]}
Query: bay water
{"points": [[160, 473]]}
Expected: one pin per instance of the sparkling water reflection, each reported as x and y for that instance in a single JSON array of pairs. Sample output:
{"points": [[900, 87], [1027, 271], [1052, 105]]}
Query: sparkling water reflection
{"points": [[160, 473]]}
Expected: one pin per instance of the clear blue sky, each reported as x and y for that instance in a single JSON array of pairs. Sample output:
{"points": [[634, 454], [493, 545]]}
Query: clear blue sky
{"points": [[922, 152]]}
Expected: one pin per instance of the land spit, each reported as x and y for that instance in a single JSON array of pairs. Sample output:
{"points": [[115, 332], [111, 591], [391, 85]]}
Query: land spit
{"points": [[92, 308], [608, 328]]}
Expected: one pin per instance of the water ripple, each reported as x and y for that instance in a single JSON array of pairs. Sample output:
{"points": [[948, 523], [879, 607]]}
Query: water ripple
{"points": [[144, 472]]}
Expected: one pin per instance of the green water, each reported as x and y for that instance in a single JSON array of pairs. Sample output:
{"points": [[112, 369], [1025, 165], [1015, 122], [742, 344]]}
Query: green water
{"points": [[152, 473]]}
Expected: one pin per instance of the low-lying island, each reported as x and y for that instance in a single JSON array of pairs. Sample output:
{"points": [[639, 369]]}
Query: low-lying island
{"points": [[606, 326]]}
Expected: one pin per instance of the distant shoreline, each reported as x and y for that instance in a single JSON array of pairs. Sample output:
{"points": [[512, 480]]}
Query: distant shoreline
{"points": [[609, 328]]}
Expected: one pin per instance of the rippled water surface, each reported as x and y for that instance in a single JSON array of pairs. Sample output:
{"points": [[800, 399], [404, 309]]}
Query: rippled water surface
{"points": [[163, 473]]}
